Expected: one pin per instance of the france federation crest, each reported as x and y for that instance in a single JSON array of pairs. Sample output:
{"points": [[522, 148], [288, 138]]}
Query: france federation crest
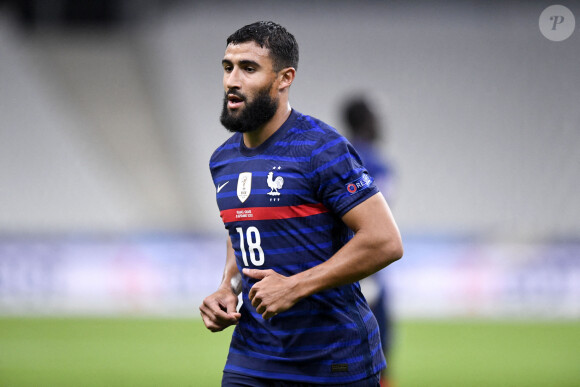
{"points": [[244, 185]]}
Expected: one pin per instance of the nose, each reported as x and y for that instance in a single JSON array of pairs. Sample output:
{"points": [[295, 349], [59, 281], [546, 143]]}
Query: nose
{"points": [[232, 79]]}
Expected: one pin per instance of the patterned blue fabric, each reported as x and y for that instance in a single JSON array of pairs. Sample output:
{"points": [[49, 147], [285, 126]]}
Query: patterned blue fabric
{"points": [[282, 204]]}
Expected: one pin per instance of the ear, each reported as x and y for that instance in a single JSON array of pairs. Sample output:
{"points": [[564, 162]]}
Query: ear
{"points": [[286, 77]]}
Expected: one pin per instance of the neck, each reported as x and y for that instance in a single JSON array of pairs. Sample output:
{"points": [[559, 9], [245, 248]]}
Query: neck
{"points": [[256, 137]]}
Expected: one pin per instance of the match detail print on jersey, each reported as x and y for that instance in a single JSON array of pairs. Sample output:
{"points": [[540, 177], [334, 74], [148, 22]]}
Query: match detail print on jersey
{"points": [[267, 213], [244, 185]]}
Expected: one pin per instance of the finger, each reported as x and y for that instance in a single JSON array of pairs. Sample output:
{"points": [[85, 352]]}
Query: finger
{"points": [[219, 323], [255, 273], [231, 305], [259, 275], [267, 315], [211, 307], [209, 318], [215, 317], [210, 323], [256, 301], [223, 317], [252, 293], [220, 306], [232, 309]]}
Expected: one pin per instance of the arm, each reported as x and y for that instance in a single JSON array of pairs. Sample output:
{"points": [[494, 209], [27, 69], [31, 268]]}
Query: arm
{"points": [[219, 309], [376, 244]]}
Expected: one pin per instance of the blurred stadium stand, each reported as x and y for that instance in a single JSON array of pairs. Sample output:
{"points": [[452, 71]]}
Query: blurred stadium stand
{"points": [[109, 115], [71, 14]]}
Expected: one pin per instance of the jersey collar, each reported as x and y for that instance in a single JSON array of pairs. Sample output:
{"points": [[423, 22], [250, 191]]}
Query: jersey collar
{"points": [[278, 134]]}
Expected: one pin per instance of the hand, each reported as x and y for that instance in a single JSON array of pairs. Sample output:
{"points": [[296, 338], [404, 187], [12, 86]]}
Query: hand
{"points": [[272, 294], [218, 310]]}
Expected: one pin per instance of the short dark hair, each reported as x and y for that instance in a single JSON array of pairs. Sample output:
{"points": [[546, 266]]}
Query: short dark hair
{"points": [[281, 43]]}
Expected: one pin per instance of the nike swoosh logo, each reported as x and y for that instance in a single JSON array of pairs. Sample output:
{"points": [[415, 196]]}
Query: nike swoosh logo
{"points": [[219, 187]]}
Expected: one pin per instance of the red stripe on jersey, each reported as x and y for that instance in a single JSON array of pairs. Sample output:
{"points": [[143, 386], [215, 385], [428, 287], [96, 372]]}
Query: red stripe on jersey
{"points": [[270, 213]]}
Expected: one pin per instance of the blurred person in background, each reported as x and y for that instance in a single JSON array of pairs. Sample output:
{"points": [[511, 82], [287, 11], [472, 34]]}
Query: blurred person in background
{"points": [[305, 224], [364, 132]]}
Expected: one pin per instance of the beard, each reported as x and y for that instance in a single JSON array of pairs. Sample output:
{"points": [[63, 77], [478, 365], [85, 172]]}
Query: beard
{"points": [[253, 115]]}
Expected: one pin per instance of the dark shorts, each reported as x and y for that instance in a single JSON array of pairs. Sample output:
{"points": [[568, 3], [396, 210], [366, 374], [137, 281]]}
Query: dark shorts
{"points": [[236, 380]]}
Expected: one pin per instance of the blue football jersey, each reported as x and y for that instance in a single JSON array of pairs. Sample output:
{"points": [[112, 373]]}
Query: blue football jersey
{"points": [[282, 204]]}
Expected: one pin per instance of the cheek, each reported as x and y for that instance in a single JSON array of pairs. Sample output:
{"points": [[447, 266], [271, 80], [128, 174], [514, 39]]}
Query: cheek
{"points": [[274, 90]]}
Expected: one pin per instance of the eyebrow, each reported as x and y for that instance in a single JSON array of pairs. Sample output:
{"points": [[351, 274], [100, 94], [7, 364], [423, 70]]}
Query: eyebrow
{"points": [[245, 62]]}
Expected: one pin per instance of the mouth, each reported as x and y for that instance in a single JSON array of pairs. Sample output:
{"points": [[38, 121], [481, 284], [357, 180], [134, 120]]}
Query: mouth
{"points": [[235, 101]]}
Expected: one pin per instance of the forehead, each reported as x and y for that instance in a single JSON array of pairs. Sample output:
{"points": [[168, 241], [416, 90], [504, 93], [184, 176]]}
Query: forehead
{"points": [[248, 51]]}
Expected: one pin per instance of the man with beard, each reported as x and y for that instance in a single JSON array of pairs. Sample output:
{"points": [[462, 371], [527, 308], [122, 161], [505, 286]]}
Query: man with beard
{"points": [[305, 223]]}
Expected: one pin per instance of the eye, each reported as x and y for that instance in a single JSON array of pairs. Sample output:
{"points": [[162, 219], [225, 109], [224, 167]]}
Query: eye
{"points": [[250, 69], [228, 68]]}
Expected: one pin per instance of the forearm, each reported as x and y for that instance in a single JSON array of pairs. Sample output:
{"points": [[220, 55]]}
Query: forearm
{"points": [[355, 261], [231, 272], [376, 244]]}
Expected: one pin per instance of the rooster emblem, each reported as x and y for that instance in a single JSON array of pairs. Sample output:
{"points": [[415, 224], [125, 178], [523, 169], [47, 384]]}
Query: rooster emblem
{"points": [[274, 184]]}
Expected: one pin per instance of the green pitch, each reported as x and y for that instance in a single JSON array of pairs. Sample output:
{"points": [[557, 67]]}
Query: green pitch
{"points": [[180, 352], [482, 354]]}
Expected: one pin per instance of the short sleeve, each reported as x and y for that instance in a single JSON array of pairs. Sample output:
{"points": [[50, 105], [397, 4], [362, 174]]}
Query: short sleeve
{"points": [[341, 178]]}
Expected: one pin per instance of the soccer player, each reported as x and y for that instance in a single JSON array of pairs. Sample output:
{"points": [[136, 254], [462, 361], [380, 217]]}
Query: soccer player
{"points": [[305, 224]]}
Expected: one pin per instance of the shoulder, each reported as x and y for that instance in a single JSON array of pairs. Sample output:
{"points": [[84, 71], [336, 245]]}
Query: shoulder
{"points": [[312, 129]]}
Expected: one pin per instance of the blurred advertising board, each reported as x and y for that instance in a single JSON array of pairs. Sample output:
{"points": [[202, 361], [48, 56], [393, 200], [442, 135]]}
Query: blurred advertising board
{"points": [[171, 274]]}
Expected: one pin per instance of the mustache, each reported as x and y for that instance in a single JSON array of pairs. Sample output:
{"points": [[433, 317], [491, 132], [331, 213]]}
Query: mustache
{"points": [[234, 92]]}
